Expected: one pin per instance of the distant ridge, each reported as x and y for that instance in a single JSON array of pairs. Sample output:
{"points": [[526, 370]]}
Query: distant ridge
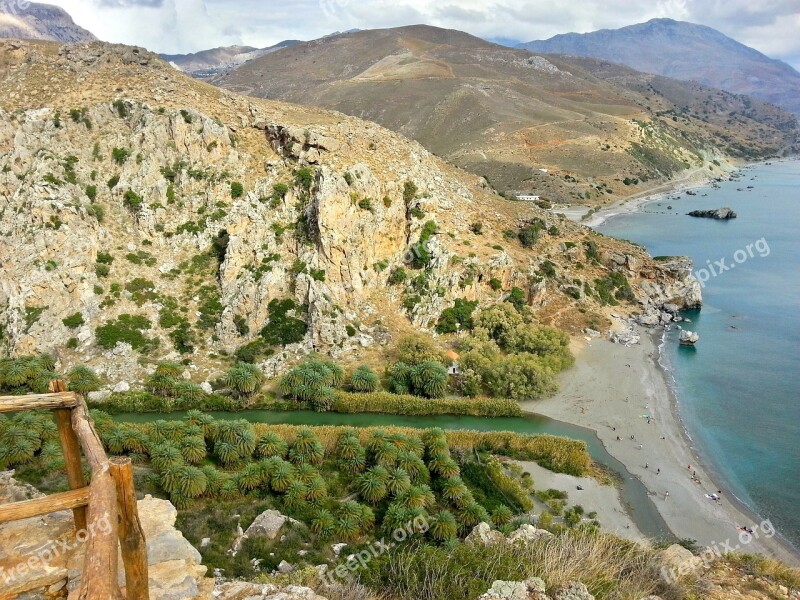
{"points": [[31, 20], [685, 51], [216, 61]]}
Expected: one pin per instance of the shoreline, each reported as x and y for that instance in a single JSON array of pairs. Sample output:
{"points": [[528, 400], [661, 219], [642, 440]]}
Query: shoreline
{"points": [[611, 390]]}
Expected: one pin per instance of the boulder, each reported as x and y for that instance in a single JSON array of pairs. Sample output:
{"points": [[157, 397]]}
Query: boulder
{"points": [[573, 591], [242, 590], [677, 562], [528, 533], [484, 535], [530, 589], [268, 524], [688, 338], [285, 567]]}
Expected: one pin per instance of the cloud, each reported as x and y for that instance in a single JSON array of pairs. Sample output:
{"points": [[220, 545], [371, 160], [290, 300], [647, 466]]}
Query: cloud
{"points": [[175, 26]]}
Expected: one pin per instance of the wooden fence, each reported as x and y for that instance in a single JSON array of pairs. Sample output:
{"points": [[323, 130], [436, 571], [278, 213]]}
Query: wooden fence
{"points": [[108, 498]]}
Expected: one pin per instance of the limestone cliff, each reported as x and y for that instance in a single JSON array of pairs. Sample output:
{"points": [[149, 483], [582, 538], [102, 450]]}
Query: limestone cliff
{"points": [[170, 213]]}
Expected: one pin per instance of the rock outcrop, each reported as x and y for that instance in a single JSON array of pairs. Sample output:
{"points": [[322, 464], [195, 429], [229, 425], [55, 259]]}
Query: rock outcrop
{"points": [[164, 218], [688, 338], [721, 214]]}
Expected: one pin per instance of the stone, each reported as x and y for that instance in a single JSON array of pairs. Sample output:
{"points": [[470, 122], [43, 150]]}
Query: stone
{"points": [[286, 567], [121, 387], [205, 542], [206, 387], [98, 396], [268, 524], [484, 535], [528, 533], [337, 548], [678, 561], [530, 589], [688, 338], [573, 591]]}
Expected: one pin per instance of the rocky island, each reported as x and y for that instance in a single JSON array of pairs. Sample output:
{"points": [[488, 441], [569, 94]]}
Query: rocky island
{"points": [[721, 214]]}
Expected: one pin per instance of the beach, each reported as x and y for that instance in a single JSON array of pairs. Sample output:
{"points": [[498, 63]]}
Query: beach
{"points": [[613, 389]]}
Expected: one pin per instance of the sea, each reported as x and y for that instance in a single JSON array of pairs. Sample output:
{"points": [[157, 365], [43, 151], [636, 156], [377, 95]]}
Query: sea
{"points": [[738, 389]]}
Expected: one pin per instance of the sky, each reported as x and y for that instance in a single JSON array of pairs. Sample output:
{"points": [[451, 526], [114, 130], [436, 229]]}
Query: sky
{"points": [[181, 26]]}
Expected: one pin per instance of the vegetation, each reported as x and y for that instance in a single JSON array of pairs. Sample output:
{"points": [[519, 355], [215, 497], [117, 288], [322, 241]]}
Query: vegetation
{"points": [[127, 329], [364, 379], [458, 317], [406, 404], [313, 382], [283, 328]]}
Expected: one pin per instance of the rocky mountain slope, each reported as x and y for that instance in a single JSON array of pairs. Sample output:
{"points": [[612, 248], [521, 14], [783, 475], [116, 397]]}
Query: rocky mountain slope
{"points": [[146, 215], [216, 61], [689, 52], [32, 20], [510, 116]]}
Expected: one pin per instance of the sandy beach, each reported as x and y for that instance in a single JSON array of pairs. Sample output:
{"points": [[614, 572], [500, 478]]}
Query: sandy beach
{"points": [[612, 389]]}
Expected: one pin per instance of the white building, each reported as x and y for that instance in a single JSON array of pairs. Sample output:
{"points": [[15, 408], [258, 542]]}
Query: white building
{"points": [[529, 198]]}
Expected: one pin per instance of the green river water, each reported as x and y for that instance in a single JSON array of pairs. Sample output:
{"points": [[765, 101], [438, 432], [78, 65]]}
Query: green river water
{"points": [[633, 493]]}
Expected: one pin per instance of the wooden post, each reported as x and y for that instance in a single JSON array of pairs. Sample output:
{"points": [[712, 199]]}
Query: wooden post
{"points": [[131, 534], [72, 453], [101, 562]]}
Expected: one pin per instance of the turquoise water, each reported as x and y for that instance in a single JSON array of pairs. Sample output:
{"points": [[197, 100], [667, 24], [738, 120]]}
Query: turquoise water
{"points": [[632, 491], [739, 389]]}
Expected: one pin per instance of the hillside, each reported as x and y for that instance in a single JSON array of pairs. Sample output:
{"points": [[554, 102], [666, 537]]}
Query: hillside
{"points": [[688, 52], [216, 61], [32, 20], [510, 116], [158, 216]]}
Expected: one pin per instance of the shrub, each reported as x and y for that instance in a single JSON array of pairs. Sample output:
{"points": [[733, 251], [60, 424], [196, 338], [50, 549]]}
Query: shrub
{"points": [[125, 328], [406, 404], [457, 317], [283, 329], [237, 190], [304, 178], [397, 276], [427, 379], [121, 108], [112, 183], [495, 284], [132, 201], [313, 382], [409, 192], [74, 321], [91, 192], [279, 191], [120, 155], [364, 379]]}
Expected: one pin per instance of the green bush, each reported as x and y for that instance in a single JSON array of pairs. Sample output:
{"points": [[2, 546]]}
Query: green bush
{"points": [[91, 192], [125, 328], [397, 276], [237, 190], [132, 201], [83, 380], [304, 178], [409, 192], [74, 321], [457, 317], [283, 329], [112, 183], [120, 155], [244, 379]]}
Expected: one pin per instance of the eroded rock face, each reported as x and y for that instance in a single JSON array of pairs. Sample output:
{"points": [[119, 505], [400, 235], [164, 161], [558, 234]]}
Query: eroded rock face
{"points": [[240, 590]]}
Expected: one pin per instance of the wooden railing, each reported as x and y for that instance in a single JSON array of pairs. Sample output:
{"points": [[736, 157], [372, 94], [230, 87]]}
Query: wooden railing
{"points": [[109, 499]]}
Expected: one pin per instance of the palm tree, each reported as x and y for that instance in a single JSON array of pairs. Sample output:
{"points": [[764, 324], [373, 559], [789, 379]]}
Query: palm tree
{"points": [[501, 515], [397, 482], [366, 518], [307, 448], [317, 489], [40, 382], [371, 487], [133, 440], [244, 379], [378, 439], [160, 384], [165, 455], [295, 497], [215, 480], [443, 526], [16, 372], [282, 476], [115, 441], [429, 379], [227, 453], [243, 438], [199, 418], [453, 490], [271, 444], [418, 496], [169, 369], [348, 447], [306, 472], [194, 450], [411, 464], [228, 491], [170, 477], [396, 517], [322, 523], [191, 482], [180, 501], [472, 514], [355, 464], [350, 509], [52, 457], [83, 380], [386, 454], [16, 451], [346, 528], [188, 390], [364, 380], [444, 467], [252, 476]]}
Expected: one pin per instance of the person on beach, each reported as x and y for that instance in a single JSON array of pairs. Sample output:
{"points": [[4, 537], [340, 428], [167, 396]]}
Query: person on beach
{"points": [[646, 465], [658, 471], [666, 495]]}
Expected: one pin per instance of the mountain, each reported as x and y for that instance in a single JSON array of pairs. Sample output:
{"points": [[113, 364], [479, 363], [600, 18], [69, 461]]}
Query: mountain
{"points": [[209, 63], [31, 20], [688, 52], [149, 215], [548, 126]]}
